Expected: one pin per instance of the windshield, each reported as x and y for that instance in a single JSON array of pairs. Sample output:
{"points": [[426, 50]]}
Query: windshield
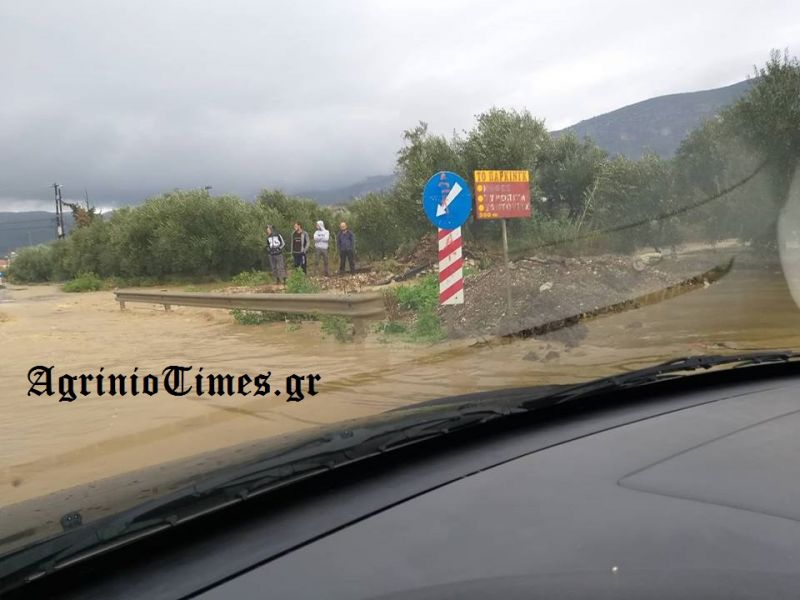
{"points": [[221, 225]]}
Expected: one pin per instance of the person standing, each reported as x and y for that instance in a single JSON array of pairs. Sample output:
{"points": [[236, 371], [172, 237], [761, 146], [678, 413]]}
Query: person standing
{"points": [[300, 244], [321, 239], [346, 242], [275, 245]]}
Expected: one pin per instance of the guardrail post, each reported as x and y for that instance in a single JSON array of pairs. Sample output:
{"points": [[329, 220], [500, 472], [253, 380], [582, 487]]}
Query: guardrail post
{"points": [[122, 305], [167, 307], [359, 328]]}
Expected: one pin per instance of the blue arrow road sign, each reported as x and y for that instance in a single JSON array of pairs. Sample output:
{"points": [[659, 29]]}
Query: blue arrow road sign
{"points": [[447, 200]]}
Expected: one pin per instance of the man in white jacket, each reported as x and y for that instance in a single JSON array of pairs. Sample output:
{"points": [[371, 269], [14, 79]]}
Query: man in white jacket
{"points": [[321, 238]]}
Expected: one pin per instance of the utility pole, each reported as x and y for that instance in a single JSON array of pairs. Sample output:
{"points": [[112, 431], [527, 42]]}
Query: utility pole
{"points": [[59, 212]]}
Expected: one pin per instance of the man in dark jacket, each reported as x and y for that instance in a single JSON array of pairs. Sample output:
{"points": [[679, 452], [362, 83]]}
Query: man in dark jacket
{"points": [[300, 244], [346, 243], [275, 246]]}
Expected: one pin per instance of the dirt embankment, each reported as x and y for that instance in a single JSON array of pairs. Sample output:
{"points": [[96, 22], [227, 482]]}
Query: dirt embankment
{"points": [[550, 293]]}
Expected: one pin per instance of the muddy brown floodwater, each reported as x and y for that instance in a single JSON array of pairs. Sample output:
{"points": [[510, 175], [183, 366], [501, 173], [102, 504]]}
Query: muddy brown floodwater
{"points": [[46, 445]]}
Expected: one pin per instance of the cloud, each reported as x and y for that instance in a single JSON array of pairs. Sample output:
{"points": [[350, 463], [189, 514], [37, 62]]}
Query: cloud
{"points": [[131, 99]]}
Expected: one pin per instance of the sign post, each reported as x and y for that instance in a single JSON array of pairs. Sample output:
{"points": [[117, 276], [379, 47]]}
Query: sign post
{"points": [[447, 202], [503, 195], [505, 241], [504, 230]]}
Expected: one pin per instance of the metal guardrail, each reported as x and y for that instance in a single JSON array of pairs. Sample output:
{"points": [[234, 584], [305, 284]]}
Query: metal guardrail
{"points": [[360, 308]]}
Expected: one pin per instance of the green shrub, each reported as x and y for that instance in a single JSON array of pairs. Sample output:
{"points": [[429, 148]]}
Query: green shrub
{"points": [[417, 296], [555, 234], [257, 317], [338, 327], [421, 298], [391, 327], [282, 211], [85, 250], [33, 264], [428, 326], [484, 262], [251, 278], [84, 282], [375, 219], [298, 283]]}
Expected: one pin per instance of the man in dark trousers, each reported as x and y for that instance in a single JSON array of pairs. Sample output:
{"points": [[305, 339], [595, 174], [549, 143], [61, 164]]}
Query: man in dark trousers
{"points": [[300, 244], [275, 246], [346, 242]]}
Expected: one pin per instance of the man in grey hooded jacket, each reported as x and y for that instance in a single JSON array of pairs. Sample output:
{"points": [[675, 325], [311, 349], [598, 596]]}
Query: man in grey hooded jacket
{"points": [[321, 239]]}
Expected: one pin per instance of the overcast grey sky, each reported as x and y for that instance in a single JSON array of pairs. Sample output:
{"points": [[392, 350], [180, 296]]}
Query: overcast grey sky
{"points": [[133, 98]]}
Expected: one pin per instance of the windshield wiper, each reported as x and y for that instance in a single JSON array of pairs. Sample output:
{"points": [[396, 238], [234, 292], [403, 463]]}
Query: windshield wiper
{"points": [[335, 449], [671, 369]]}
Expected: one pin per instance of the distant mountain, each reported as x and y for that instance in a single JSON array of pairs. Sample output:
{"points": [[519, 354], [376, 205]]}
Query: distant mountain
{"points": [[18, 229], [341, 195], [657, 125]]}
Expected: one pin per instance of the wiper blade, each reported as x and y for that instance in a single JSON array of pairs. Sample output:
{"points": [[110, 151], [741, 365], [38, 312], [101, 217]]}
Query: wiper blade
{"points": [[678, 367], [330, 451]]}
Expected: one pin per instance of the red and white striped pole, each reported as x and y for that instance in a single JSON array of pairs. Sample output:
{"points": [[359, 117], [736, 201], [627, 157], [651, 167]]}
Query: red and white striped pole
{"points": [[451, 267]]}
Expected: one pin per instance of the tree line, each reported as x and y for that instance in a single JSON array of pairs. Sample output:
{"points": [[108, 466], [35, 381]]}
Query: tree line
{"points": [[728, 179]]}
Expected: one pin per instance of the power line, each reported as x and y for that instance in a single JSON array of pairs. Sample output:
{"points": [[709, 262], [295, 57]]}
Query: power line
{"points": [[23, 221], [28, 228]]}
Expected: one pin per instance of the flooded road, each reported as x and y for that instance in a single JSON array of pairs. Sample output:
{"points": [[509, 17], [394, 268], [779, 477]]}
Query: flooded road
{"points": [[46, 445]]}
